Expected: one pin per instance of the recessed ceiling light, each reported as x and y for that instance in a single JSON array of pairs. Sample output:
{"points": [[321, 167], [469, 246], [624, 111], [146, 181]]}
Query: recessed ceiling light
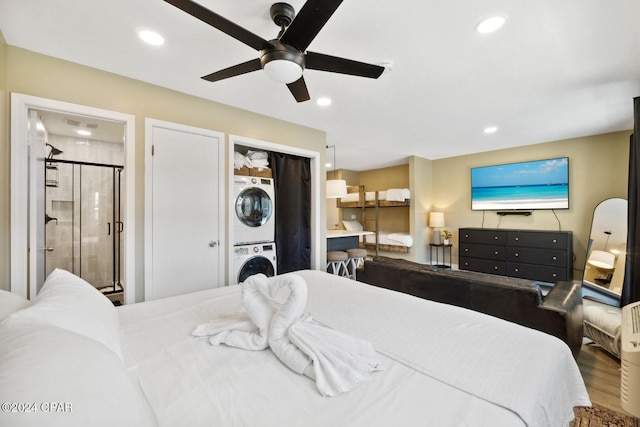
{"points": [[491, 129], [151, 37], [490, 25], [83, 132], [323, 102]]}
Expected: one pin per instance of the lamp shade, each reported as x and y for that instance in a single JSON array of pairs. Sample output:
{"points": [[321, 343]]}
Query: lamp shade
{"points": [[283, 71], [436, 219], [602, 259], [336, 188]]}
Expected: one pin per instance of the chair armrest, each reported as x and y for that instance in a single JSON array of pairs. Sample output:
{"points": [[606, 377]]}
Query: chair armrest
{"points": [[565, 299]]}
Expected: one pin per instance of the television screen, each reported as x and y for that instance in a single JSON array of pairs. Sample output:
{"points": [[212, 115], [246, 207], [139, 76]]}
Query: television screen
{"points": [[539, 184]]}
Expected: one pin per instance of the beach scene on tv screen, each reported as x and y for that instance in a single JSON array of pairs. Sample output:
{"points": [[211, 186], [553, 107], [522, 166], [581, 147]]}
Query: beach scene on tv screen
{"points": [[542, 184]]}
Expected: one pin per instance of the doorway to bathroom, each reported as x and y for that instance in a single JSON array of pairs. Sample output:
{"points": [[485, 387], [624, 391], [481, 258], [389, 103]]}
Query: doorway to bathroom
{"points": [[73, 205], [83, 191]]}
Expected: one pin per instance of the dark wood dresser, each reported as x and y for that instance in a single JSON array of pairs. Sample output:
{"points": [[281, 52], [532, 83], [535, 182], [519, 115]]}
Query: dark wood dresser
{"points": [[546, 256]]}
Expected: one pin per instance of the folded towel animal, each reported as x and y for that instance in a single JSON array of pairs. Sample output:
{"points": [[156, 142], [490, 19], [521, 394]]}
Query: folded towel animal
{"points": [[336, 361], [249, 332]]}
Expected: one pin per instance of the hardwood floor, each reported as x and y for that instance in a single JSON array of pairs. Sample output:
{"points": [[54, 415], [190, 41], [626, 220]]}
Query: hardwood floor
{"points": [[601, 373]]}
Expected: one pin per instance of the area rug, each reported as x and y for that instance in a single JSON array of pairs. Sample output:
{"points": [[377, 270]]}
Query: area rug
{"points": [[600, 416]]}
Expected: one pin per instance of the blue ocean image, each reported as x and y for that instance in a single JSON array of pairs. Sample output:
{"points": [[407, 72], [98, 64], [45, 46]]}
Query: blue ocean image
{"points": [[531, 185]]}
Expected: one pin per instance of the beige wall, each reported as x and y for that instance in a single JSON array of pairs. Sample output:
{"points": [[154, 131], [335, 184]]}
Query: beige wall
{"points": [[597, 170], [38, 75]]}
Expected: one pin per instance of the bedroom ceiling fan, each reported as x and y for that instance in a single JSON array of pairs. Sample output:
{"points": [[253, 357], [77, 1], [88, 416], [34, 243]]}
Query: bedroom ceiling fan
{"points": [[284, 58]]}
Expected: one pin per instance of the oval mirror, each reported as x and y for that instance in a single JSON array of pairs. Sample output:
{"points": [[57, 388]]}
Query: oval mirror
{"points": [[606, 251]]}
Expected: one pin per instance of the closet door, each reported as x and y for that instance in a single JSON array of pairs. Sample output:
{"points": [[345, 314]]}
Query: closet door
{"points": [[184, 218]]}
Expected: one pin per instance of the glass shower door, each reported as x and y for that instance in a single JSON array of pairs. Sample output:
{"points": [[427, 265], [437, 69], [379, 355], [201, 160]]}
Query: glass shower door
{"points": [[83, 223]]}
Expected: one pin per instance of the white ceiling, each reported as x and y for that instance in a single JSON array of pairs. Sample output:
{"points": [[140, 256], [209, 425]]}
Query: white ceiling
{"points": [[557, 69]]}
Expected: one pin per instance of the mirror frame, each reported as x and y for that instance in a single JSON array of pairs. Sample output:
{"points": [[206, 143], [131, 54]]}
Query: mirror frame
{"points": [[608, 231]]}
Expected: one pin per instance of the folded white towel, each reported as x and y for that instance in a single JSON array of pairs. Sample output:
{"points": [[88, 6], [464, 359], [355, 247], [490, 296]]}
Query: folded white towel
{"points": [[288, 314], [257, 155], [250, 333], [340, 362], [260, 163], [240, 160]]}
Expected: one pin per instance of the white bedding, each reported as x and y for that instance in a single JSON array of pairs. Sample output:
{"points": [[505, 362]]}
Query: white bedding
{"points": [[391, 195], [444, 365], [394, 239]]}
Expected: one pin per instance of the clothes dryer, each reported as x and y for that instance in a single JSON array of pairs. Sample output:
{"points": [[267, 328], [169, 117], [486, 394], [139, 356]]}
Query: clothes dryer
{"points": [[254, 205], [254, 259]]}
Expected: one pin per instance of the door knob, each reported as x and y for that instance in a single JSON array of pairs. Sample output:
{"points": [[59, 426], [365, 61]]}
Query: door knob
{"points": [[213, 244], [47, 249]]}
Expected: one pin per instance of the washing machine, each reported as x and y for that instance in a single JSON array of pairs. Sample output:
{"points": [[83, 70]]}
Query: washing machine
{"points": [[254, 219], [254, 259]]}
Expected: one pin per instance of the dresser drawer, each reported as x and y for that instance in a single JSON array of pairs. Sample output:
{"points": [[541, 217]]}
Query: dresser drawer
{"points": [[475, 250], [482, 265], [541, 273], [551, 258], [487, 237], [547, 240]]}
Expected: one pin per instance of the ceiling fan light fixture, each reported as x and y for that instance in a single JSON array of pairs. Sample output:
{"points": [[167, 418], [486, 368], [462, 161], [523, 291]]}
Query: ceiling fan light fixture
{"points": [[283, 70], [282, 63]]}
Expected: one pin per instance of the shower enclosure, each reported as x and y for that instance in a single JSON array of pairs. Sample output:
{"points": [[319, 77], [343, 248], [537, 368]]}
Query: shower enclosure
{"points": [[83, 226]]}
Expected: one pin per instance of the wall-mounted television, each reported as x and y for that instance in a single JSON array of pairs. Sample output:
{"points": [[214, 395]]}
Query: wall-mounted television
{"points": [[538, 184]]}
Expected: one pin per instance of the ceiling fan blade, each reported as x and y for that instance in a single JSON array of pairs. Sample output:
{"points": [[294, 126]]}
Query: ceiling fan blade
{"points": [[221, 23], [236, 70], [299, 90], [333, 64], [308, 23]]}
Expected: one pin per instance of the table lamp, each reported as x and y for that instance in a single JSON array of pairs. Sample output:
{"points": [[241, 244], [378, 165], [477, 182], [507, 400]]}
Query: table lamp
{"points": [[436, 220]]}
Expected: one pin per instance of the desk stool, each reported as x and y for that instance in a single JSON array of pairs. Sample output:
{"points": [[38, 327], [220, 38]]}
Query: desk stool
{"points": [[356, 258], [337, 263]]}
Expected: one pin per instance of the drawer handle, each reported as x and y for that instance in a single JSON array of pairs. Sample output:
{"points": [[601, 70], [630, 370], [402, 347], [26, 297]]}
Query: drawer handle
{"points": [[517, 238], [554, 275], [555, 241], [495, 237], [517, 254], [495, 253], [466, 264], [517, 269], [555, 258], [495, 268], [466, 249], [466, 236]]}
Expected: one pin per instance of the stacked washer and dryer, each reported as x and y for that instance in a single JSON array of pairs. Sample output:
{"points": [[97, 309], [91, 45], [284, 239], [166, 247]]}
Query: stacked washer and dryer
{"points": [[254, 227]]}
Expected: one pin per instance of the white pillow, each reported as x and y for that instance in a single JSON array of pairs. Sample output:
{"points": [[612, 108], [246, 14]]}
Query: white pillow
{"points": [[10, 302], [69, 302], [65, 379], [352, 225]]}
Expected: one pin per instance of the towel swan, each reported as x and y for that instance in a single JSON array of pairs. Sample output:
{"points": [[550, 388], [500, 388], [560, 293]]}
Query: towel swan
{"points": [[249, 333]]}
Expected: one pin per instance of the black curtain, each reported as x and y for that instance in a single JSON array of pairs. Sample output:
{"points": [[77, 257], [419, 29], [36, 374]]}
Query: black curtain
{"points": [[292, 187], [631, 286]]}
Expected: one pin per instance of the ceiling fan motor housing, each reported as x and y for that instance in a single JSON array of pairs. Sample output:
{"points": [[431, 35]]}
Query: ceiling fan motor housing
{"points": [[282, 14]]}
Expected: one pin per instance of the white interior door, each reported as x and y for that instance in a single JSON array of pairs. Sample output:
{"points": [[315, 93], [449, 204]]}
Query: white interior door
{"points": [[36, 205], [185, 215]]}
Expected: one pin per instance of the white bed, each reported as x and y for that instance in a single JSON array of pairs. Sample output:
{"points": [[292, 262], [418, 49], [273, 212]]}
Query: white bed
{"points": [[390, 195], [390, 239], [443, 365]]}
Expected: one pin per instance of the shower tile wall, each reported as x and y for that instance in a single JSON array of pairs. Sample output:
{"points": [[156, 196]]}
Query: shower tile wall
{"points": [[64, 235]]}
